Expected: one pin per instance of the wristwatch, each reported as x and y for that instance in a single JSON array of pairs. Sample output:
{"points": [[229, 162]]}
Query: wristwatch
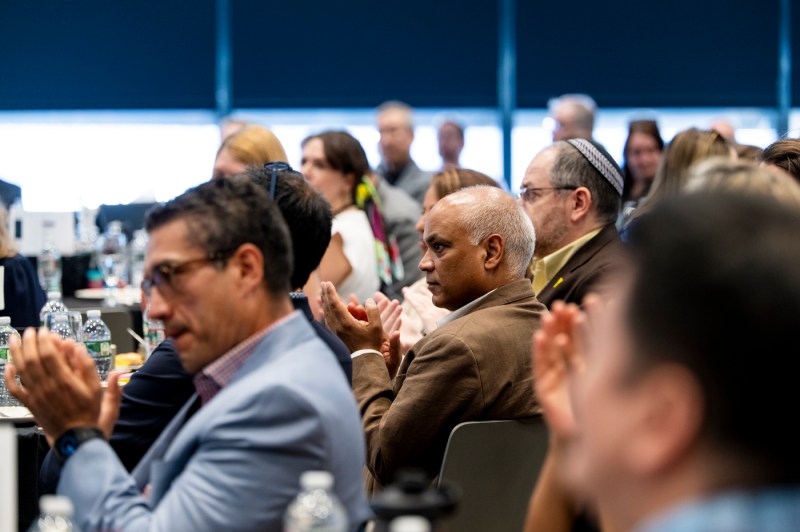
{"points": [[69, 441]]}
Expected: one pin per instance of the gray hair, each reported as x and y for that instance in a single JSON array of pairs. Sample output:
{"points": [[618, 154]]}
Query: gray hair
{"points": [[489, 210], [404, 108], [583, 105], [572, 169]]}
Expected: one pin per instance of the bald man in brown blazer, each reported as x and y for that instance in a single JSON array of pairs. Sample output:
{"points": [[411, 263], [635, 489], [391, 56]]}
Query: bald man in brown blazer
{"points": [[476, 365]]}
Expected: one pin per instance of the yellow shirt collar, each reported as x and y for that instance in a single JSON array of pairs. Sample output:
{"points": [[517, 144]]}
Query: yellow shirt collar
{"points": [[545, 268]]}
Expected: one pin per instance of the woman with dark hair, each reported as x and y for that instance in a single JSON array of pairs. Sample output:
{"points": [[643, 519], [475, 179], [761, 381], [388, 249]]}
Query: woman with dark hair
{"points": [[335, 164], [642, 154]]}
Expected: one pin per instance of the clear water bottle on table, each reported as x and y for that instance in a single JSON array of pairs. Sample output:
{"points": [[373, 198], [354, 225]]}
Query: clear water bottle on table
{"points": [[97, 339], [315, 508], [54, 304], [6, 332], [48, 268], [55, 515]]}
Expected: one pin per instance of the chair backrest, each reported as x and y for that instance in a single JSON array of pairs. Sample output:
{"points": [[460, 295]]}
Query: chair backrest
{"points": [[496, 464]]}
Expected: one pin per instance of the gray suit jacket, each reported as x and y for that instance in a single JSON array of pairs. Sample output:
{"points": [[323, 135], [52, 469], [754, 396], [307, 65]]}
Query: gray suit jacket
{"points": [[400, 214], [236, 463], [474, 368], [412, 179]]}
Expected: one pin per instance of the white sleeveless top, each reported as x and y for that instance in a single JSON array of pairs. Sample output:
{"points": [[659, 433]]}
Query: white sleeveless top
{"points": [[359, 248]]}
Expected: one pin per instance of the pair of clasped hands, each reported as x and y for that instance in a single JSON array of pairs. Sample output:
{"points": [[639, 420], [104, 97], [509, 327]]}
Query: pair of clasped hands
{"points": [[60, 385]]}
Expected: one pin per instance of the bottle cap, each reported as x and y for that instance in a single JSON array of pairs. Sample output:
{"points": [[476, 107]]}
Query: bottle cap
{"points": [[313, 480], [53, 295], [56, 505], [410, 523], [93, 314], [5, 320]]}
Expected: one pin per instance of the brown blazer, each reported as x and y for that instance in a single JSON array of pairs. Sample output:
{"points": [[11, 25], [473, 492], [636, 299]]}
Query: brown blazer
{"points": [[586, 269], [477, 367]]}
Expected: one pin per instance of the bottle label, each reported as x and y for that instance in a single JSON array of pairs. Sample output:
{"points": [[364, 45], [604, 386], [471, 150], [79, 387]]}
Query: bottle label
{"points": [[99, 349], [4, 354]]}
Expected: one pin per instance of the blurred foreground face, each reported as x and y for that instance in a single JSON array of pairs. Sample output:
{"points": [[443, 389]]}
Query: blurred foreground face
{"points": [[396, 136], [609, 406]]}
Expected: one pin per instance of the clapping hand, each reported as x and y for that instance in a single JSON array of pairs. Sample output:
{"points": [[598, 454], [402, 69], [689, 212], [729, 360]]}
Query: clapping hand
{"points": [[359, 327], [61, 386]]}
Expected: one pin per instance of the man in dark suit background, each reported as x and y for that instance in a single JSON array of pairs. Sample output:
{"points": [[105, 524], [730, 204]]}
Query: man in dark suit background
{"points": [[479, 245], [572, 192]]}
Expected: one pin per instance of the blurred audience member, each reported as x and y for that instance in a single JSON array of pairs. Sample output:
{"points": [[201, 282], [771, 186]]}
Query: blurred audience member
{"points": [[725, 175], [783, 155], [748, 152], [335, 163], [571, 191], [573, 115], [249, 147], [21, 295], [229, 126], [686, 148], [266, 407], [659, 434], [451, 142], [396, 127], [642, 154], [479, 244]]}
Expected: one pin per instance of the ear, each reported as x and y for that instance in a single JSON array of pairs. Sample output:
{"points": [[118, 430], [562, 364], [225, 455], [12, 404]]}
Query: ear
{"points": [[581, 204], [494, 247], [668, 426], [249, 262]]}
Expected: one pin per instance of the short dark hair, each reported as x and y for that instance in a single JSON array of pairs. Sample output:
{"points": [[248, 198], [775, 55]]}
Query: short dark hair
{"points": [[307, 214], [785, 154], [343, 153], [572, 169], [225, 213], [717, 291]]}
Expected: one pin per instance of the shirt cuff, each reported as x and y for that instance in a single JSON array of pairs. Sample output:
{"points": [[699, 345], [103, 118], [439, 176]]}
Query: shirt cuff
{"points": [[364, 352]]}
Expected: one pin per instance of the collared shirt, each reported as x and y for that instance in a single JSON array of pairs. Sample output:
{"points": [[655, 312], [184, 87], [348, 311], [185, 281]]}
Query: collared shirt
{"points": [[463, 311], [221, 372], [545, 268]]}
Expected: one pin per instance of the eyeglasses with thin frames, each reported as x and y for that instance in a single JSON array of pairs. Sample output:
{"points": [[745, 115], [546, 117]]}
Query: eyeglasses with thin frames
{"points": [[530, 193], [163, 276]]}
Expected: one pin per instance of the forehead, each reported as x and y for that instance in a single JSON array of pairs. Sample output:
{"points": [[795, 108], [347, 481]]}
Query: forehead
{"points": [[538, 171], [169, 242], [392, 118], [314, 148], [443, 219]]}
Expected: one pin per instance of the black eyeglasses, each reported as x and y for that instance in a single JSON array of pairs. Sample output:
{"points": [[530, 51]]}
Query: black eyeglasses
{"points": [[163, 275], [530, 193], [274, 168]]}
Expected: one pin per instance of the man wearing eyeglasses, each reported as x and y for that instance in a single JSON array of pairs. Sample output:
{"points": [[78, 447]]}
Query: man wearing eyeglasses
{"points": [[266, 409], [572, 192]]}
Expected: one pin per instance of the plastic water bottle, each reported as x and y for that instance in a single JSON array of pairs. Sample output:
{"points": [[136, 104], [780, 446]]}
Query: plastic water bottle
{"points": [[6, 332], [97, 339], [410, 523], [315, 508], [55, 515], [48, 267], [138, 251], [54, 304], [153, 330], [62, 327]]}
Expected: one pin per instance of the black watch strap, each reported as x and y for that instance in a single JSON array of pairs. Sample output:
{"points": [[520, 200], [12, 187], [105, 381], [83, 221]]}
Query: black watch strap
{"points": [[69, 441]]}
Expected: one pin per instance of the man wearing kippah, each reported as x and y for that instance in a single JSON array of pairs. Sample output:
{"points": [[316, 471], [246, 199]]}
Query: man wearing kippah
{"points": [[572, 192]]}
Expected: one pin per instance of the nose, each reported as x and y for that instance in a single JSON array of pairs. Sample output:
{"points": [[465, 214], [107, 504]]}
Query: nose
{"points": [[305, 169], [426, 263], [160, 309]]}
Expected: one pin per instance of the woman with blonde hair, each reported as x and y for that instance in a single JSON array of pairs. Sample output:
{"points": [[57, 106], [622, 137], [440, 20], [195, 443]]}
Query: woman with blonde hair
{"points": [[250, 147], [21, 296]]}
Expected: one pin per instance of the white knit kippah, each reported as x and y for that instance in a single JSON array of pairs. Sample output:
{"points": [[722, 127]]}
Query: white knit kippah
{"points": [[601, 160]]}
